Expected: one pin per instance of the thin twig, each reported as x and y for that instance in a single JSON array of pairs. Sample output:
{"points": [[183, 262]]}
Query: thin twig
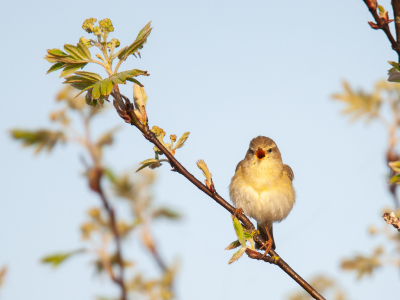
{"points": [[396, 12], [110, 210], [383, 25]]}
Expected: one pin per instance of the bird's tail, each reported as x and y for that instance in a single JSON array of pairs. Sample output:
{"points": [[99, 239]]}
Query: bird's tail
{"points": [[263, 232]]}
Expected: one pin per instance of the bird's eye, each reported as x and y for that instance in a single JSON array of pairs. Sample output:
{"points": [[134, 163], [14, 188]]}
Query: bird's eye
{"points": [[270, 150], [251, 151]]}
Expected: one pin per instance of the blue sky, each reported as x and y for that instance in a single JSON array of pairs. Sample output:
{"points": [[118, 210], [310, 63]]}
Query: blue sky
{"points": [[226, 71]]}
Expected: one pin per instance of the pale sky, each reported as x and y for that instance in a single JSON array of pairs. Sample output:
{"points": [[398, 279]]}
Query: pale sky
{"points": [[226, 71]]}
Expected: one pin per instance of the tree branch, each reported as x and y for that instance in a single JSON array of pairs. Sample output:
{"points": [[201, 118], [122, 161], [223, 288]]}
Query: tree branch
{"points": [[150, 136], [396, 12], [392, 219], [111, 213], [383, 24]]}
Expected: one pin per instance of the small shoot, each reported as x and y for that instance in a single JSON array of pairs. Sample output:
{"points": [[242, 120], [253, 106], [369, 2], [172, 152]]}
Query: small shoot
{"points": [[74, 58], [209, 183], [241, 241], [140, 101], [153, 163]]}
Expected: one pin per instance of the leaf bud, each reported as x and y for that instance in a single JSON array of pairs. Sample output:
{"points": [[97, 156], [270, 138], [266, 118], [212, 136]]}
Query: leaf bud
{"points": [[113, 44], [84, 41], [371, 4]]}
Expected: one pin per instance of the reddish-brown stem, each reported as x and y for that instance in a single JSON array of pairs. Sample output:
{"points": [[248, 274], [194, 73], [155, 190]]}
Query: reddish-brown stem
{"points": [[110, 210], [384, 26], [396, 12]]}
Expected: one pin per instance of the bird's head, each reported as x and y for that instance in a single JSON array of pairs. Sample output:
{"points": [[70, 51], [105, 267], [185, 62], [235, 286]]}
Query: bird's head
{"points": [[263, 150]]}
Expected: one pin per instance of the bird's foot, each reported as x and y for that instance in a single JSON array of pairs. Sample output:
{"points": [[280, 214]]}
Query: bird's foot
{"points": [[238, 211], [268, 244]]}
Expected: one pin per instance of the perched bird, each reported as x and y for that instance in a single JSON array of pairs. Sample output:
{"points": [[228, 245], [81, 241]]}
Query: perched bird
{"points": [[262, 186]]}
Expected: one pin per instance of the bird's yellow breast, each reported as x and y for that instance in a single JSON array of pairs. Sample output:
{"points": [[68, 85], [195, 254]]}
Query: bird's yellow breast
{"points": [[264, 192]]}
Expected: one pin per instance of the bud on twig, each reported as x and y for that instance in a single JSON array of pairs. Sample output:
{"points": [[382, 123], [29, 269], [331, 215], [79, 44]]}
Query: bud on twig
{"points": [[209, 183], [392, 219], [94, 176], [383, 17]]}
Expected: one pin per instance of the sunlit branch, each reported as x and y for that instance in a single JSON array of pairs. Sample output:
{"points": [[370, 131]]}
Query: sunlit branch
{"points": [[177, 167]]}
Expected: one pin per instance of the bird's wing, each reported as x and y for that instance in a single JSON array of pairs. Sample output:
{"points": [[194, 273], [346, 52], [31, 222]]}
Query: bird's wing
{"points": [[239, 165], [288, 171]]}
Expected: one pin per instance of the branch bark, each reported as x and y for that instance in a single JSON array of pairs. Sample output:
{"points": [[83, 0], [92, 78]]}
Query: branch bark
{"points": [[396, 12], [384, 25], [177, 167]]}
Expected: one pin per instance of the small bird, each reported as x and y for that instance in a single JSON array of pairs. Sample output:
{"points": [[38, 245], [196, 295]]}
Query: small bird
{"points": [[262, 187]]}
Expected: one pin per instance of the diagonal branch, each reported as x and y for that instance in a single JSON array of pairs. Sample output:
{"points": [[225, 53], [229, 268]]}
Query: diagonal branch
{"points": [[150, 136]]}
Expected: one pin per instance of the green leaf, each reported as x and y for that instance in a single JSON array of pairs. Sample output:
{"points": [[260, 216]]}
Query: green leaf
{"points": [[237, 255], [57, 52], [395, 166], [166, 213], [233, 245], [146, 163], [89, 75], [84, 50], [121, 77], [145, 32], [239, 231], [395, 65], [132, 48], [74, 52], [182, 140], [394, 75], [110, 175], [106, 87], [66, 59], [56, 259], [82, 86], [119, 52], [96, 91], [56, 67], [88, 97], [71, 68], [80, 79], [137, 44], [395, 179], [85, 89], [42, 138], [135, 81]]}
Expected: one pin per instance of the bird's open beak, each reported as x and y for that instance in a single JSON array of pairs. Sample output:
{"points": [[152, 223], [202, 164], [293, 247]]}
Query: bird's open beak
{"points": [[260, 153]]}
